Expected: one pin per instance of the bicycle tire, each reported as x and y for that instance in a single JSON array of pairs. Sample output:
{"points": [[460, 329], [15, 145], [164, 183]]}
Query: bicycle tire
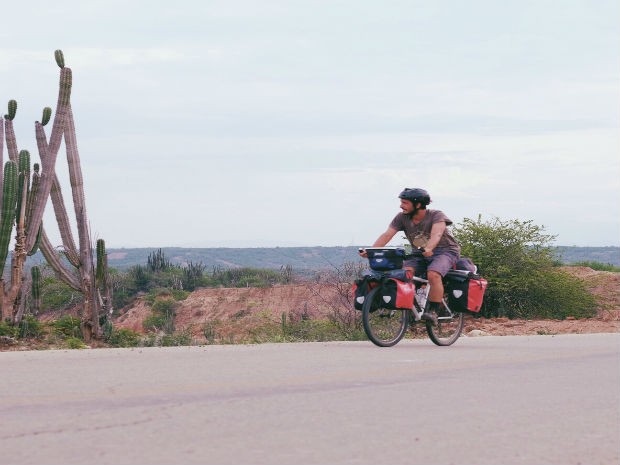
{"points": [[384, 327], [448, 329]]}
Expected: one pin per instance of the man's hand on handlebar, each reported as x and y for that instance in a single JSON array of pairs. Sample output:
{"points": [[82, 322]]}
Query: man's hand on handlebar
{"points": [[426, 253]]}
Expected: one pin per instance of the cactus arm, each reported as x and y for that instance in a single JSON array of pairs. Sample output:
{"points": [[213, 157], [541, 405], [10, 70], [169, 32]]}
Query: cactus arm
{"points": [[12, 110], [47, 114], [7, 214], [53, 259], [30, 206], [23, 186], [60, 59], [62, 218], [77, 190], [37, 243], [60, 211], [100, 273], [32, 195], [86, 253], [48, 160], [102, 279], [11, 141], [35, 274], [1, 152]]}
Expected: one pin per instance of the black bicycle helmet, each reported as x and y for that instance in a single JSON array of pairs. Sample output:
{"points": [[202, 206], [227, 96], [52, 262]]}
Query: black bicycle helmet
{"points": [[416, 195]]}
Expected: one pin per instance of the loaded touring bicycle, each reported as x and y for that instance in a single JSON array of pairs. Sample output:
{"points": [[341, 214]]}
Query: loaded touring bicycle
{"points": [[391, 301]]}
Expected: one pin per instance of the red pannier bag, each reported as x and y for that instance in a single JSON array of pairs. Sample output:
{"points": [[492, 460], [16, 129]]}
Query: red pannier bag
{"points": [[397, 294], [397, 290], [465, 291]]}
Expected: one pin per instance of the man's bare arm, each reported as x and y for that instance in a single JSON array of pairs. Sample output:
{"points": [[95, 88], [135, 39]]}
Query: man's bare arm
{"points": [[382, 240]]}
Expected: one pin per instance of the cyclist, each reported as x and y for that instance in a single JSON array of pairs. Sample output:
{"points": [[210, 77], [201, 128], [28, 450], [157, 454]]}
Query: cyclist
{"points": [[435, 249]]}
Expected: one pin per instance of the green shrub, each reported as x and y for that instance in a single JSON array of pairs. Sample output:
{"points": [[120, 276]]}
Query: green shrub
{"points": [[56, 295], [517, 260], [244, 277], [75, 343], [163, 313], [598, 266], [7, 329], [311, 330], [209, 331], [178, 339], [193, 276], [68, 326], [30, 327], [139, 276], [123, 337], [155, 322], [164, 306], [559, 295], [165, 293]]}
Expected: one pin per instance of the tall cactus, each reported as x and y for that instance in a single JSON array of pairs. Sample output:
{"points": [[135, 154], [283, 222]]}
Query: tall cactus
{"points": [[102, 278], [35, 272], [7, 215], [28, 202], [26, 196]]}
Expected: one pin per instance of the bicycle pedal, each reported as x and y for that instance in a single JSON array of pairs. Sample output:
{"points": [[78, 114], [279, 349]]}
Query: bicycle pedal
{"points": [[389, 314], [430, 318]]}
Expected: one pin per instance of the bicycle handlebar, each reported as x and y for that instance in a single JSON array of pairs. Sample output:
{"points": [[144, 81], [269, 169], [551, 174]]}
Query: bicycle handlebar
{"points": [[406, 257]]}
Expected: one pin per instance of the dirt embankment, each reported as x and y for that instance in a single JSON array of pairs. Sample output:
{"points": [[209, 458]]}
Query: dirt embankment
{"points": [[239, 309]]}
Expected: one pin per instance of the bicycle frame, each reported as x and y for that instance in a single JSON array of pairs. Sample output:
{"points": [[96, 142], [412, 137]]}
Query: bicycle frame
{"points": [[420, 300]]}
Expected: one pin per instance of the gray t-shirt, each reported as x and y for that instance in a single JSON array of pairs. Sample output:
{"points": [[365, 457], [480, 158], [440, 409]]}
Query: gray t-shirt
{"points": [[419, 234]]}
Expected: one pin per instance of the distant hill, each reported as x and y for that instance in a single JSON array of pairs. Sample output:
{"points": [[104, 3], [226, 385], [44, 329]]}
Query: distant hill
{"points": [[305, 258], [571, 255], [302, 259], [299, 258]]}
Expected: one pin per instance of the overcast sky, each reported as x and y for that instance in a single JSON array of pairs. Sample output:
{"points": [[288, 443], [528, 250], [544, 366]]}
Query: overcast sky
{"points": [[296, 123]]}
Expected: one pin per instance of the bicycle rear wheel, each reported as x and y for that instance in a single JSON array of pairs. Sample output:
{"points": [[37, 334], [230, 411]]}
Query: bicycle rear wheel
{"points": [[383, 326], [448, 329]]}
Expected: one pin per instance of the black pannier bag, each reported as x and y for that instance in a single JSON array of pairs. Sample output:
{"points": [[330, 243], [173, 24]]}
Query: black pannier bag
{"points": [[362, 286], [397, 288], [465, 290]]}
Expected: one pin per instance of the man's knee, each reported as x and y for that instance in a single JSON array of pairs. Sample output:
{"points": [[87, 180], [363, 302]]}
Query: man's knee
{"points": [[434, 277]]}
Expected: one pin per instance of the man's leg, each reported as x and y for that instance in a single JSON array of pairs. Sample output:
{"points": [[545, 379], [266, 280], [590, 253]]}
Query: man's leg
{"points": [[436, 282], [441, 264]]}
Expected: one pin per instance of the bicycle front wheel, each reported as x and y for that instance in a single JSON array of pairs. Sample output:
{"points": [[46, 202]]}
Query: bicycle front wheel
{"points": [[448, 329], [383, 326]]}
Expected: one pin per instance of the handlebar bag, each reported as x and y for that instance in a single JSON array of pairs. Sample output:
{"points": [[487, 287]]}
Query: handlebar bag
{"points": [[385, 258], [397, 294], [465, 291]]}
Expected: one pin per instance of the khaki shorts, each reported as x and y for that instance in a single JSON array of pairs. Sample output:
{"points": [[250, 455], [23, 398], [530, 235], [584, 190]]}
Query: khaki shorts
{"points": [[441, 262]]}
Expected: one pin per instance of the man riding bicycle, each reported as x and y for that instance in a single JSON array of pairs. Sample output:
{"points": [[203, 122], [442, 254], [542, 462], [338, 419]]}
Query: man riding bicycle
{"points": [[435, 251]]}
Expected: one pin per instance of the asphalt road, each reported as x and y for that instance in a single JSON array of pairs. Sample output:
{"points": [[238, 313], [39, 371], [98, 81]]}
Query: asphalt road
{"points": [[487, 400]]}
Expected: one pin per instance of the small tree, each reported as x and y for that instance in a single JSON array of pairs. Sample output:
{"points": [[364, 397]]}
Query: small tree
{"points": [[517, 259]]}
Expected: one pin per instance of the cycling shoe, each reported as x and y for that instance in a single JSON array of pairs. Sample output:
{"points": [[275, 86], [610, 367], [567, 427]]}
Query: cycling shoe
{"points": [[430, 317]]}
